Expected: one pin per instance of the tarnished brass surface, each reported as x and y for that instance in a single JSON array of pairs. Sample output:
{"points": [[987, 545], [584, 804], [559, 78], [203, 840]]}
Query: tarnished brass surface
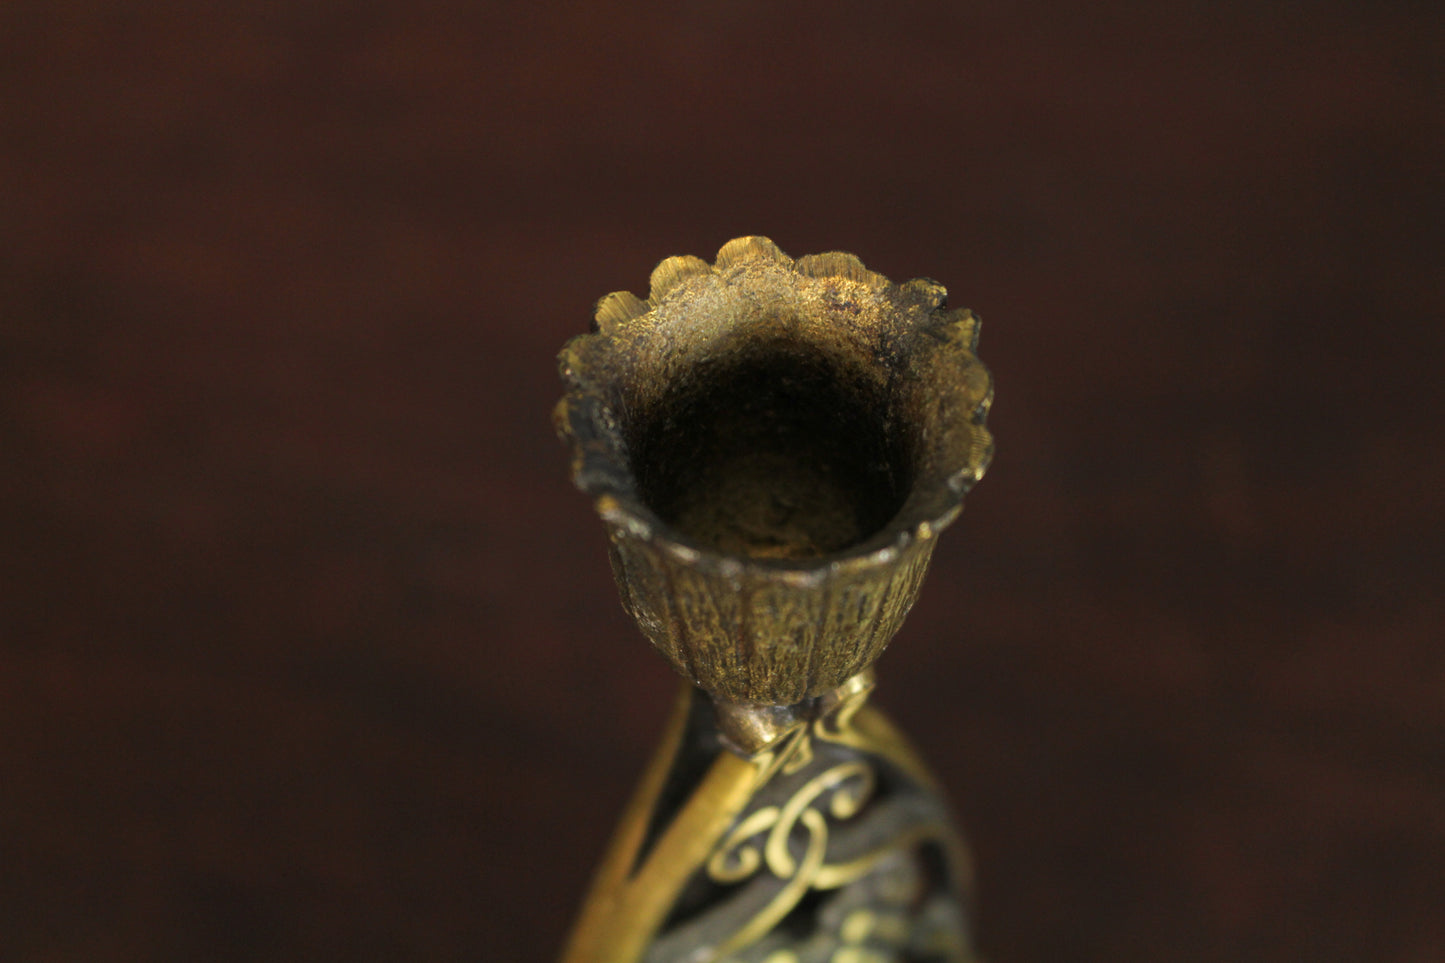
{"points": [[774, 446], [831, 845]]}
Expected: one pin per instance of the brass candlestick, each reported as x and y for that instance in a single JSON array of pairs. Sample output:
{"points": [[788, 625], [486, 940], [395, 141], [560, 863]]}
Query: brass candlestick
{"points": [[774, 446]]}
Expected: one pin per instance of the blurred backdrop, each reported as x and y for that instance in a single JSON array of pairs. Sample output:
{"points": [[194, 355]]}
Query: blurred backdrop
{"points": [[309, 650]]}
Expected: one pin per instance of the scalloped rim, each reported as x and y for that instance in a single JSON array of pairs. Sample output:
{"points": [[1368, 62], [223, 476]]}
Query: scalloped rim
{"points": [[623, 509]]}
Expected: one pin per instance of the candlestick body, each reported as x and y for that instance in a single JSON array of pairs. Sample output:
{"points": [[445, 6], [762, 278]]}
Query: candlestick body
{"points": [[774, 446]]}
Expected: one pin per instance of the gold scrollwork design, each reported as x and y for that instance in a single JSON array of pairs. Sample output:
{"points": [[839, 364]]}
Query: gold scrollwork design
{"points": [[739, 857], [734, 862], [768, 836], [845, 803]]}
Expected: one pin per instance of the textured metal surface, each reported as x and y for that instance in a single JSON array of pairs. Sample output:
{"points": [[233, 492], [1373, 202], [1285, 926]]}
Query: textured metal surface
{"points": [[718, 426], [774, 446], [829, 845]]}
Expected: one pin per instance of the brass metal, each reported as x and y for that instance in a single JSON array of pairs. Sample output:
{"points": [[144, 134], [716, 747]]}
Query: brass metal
{"points": [[774, 446]]}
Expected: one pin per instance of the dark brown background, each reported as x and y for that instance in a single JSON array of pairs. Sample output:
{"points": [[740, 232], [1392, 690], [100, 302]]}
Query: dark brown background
{"points": [[308, 649]]}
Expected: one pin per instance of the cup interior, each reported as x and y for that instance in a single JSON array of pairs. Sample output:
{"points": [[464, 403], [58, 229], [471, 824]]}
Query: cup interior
{"points": [[778, 451]]}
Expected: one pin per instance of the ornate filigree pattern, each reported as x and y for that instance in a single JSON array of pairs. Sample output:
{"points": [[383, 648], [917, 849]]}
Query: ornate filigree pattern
{"points": [[774, 446], [840, 857]]}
